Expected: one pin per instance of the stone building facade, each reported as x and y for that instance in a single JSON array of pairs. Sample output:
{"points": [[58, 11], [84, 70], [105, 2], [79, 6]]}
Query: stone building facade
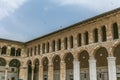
{"points": [[88, 50]]}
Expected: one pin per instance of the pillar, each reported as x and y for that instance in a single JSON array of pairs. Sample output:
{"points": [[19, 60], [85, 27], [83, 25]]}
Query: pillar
{"points": [[40, 72], [112, 68], [50, 71], [76, 70], [92, 69], [33, 71], [23, 72], [62, 70], [6, 71]]}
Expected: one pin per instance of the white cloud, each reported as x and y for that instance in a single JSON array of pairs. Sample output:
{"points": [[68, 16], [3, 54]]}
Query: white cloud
{"points": [[9, 6], [4, 33], [96, 5]]}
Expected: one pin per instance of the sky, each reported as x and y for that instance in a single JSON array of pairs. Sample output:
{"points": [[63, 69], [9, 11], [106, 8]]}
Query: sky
{"points": [[24, 20]]}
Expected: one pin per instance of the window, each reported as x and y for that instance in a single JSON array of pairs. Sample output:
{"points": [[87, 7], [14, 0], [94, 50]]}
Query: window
{"points": [[104, 33], [43, 48], [12, 51], [47, 47], [59, 44], [65, 43], [115, 31], [53, 45], [71, 41], [95, 33], [4, 50], [35, 48], [18, 52], [86, 38], [28, 52], [31, 50], [79, 40], [39, 49]]}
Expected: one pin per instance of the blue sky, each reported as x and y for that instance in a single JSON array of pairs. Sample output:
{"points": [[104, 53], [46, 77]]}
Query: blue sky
{"points": [[23, 20]]}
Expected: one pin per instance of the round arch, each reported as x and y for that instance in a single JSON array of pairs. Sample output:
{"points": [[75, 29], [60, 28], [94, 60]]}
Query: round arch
{"points": [[2, 62], [15, 63]]}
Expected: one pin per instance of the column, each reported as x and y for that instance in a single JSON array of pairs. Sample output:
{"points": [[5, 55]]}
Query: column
{"points": [[6, 71], [32, 72], [92, 69], [50, 71], [40, 72], [112, 68], [62, 70], [23, 72], [76, 70]]}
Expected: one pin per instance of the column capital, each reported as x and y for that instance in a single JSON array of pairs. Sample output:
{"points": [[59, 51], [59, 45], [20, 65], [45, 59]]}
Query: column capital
{"points": [[111, 58]]}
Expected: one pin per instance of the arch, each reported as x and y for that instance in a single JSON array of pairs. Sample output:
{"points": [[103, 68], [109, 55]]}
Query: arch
{"points": [[2, 62], [18, 52], [4, 50], [45, 63], [83, 58], [15, 63], [101, 55], [56, 62], [36, 69], [12, 51], [29, 74], [36, 61], [116, 53], [69, 61], [29, 62]]}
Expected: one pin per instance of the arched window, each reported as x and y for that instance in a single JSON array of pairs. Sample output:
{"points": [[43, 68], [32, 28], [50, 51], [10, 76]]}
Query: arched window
{"points": [[12, 51], [31, 51], [65, 43], [28, 52], [95, 33], [39, 49], [4, 50], [43, 48], [18, 52], [47, 47], [35, 48], [79, 40], [59, 44], [104, 33], [115, 31], [53, 45], [71, 41], [86, 38]]}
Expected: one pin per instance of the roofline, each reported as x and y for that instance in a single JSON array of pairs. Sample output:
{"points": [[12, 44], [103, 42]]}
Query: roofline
{"points": [[84, 21], [1, 39]]}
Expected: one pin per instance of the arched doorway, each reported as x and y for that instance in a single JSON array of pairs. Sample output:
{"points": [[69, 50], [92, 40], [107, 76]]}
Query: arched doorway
{"points": [[45, 68], [56, 65], [29, 76], [36, 70], [101, 62], [15, 66], [117, 55], [84, 65], [69, 66]]}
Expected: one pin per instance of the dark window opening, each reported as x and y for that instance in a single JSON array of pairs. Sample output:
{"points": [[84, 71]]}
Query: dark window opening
{"points": [[43, 48], [53, 45], [115, 31], [95, 32], [59, 44], [79, 40], [4, 50], [12, 51], [65, 43], [48, 47], [86, 38], [71, 42], [104, 33], [39, 49]]}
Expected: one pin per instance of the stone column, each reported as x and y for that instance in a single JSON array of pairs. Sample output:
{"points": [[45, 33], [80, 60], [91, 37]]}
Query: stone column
{"points": [[23, 72], [112, 68], [62, 70], [33, 71], [50, 71], [92, 69], [76, 70], [6, 71], [41, 72]]}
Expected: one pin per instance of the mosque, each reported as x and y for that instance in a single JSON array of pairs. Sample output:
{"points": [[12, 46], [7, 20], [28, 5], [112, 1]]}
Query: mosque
{"points": [[88, 50]]}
